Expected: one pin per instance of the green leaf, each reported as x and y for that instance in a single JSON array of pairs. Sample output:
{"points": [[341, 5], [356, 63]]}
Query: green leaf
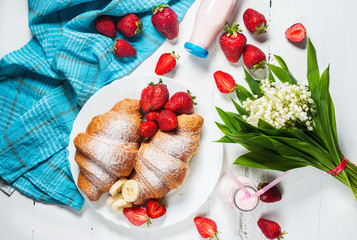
{"points": [[280, 73], [224, 139], [271, 76], [223, 128], [228, 120], [266, 159], [240, 109], [253, 84], [284, 66], [243, 93], [313, 74], [265, 125]]}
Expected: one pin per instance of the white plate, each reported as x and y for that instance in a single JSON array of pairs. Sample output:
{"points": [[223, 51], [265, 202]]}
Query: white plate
{"points": [[205, 166]]}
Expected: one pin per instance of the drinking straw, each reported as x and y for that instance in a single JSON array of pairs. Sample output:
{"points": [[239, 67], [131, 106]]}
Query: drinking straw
{"points": [[240, 185], [267, 187]]}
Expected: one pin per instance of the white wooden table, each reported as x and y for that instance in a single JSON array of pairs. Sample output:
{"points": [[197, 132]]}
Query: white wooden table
{"points": [[314, 205]]}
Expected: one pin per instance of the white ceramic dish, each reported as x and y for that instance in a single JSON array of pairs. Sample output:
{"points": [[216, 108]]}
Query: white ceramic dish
{"points": [[205, 166]]}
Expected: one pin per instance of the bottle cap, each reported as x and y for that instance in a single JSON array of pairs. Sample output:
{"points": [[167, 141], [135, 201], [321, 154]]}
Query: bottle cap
{"points": [[196, 50]]}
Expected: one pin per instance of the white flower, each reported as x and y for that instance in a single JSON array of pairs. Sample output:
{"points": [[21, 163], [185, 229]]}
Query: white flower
{"points": [[281, 105]]}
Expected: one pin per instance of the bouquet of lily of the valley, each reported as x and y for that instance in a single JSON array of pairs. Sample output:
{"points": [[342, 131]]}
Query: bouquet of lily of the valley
{"points": [[285, 124]]}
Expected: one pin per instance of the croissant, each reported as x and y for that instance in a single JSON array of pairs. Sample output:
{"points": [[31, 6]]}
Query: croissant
{"points": [[108, 148], [162, 161]]}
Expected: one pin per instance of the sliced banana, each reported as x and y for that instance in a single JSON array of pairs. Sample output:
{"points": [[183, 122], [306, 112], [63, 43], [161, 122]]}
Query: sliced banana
{"points": [[120, 204], [131, 190], [111, 199], [117, 186]]}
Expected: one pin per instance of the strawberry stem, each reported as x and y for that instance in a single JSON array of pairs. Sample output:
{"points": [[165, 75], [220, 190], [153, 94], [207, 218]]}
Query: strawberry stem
{"points": [[174, 55], [159, 8], [232, 29], [258, 66], [260, 29], [139, 27], [215, 236]]}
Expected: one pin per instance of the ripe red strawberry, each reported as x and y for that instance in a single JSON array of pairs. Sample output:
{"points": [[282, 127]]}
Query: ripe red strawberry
{"points": [[254, 21], [272, 195], [180, 102], [155, 208], [130, 25], [270, 229], [154, 96], [166, 63], [167, 120], [137, 215], [224, 81], [147, 129], [232, 42], [152, 116], [296, 33], [122, 48], [165, 21], [105, 25], [253, 57], [206, 227]]}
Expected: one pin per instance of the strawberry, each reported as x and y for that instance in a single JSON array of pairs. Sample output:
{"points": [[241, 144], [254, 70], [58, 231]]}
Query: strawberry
{"points": [[206, 227], [270, 229], [122, 48], [147, 129], [155, 208], [254, 21], [137, 215], [272, 195], [152, 116], [165, 21], [180, 102], [105, 25], [154, 96], [253, 57], [130, 25], [232, 42], [296, 33], [167, 120], [166, 63], [224, 81]]}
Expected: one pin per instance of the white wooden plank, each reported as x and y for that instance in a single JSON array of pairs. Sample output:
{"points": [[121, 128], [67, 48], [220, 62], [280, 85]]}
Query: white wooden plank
{"points": [[16, 221]]}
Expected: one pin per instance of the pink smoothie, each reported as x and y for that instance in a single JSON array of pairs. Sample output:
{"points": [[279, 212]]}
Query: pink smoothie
{"points": [[246, 204]]}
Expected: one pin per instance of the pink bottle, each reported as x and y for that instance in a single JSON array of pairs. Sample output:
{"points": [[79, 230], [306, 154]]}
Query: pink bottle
{"points": [[211, 17], [231, 194]]}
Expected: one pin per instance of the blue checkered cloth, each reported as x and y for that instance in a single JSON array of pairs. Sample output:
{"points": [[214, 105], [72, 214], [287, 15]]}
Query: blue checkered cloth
{"points": [[44, 84]]}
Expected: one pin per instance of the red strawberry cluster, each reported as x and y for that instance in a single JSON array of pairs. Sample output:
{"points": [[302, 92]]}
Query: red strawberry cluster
{"points": [[233, 43], [161, 110], [164, 20], [140, 215]]}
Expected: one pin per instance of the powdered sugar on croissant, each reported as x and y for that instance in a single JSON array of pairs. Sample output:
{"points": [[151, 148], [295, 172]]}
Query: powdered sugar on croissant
{"points": [[108, 148], [162, 161]]}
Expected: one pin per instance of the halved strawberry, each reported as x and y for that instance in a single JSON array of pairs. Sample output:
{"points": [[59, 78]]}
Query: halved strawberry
{"points": [[296, 33], [206, 227], [155, 208], [137, 215], [224, 81], [166, 63]]}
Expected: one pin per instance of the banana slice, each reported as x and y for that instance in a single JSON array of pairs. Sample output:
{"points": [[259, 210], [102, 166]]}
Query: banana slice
{"points": [[117, 186], [110, 200], [120, 204], [131, 190]]}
